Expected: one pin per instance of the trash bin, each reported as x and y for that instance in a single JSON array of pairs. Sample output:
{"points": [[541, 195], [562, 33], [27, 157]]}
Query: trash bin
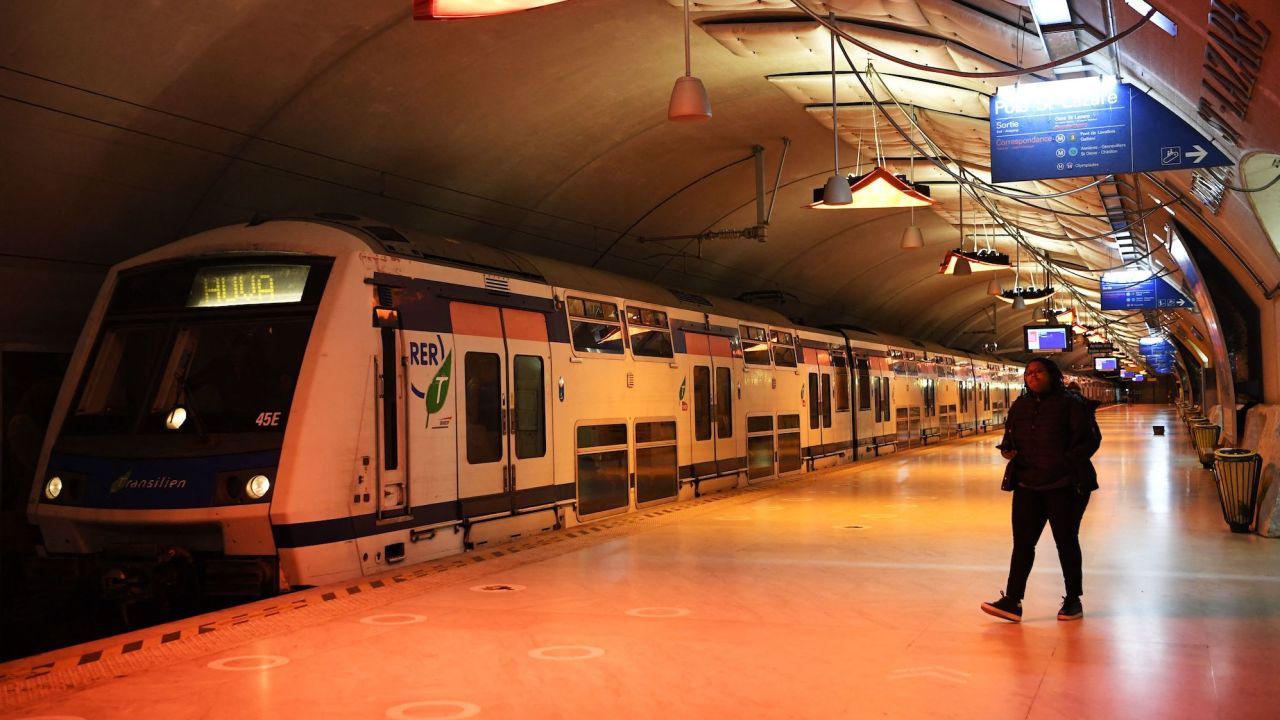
{"points": [[1205, 436], [1192, 421], [1236, 472]]}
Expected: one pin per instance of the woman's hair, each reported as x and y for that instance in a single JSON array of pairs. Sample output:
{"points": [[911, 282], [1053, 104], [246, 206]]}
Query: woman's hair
{"points": [[1055, 372]]}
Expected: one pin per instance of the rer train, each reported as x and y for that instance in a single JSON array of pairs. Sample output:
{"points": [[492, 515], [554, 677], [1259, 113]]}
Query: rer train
{"points": [[301, 401]]}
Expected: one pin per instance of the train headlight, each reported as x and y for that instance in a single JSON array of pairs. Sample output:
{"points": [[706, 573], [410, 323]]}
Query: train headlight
{"points": [[175, 418], [257, 487], [53, 488]]}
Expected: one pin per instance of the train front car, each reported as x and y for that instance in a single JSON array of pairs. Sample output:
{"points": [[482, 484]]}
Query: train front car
{"points": [[170, 442]]}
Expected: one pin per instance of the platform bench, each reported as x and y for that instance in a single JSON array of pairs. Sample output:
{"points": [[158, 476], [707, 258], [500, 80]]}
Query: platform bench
{"points": [[926, 433], [964, 427]]}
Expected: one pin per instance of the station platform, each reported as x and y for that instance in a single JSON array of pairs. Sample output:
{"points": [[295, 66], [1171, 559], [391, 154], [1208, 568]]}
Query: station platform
{"points": [[847, 593]]}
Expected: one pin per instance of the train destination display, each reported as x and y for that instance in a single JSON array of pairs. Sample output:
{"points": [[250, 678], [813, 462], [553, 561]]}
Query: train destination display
{"points": [[1089, 126], [229, 285]]}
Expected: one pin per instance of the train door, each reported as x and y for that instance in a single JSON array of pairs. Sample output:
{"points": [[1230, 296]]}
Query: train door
{"points": [[502, 360], [392, 468], [530, 473], [711, 406], [819, 392]]}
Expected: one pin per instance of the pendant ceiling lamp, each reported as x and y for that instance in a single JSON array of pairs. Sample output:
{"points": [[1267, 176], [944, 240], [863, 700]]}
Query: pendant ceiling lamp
{"points": [[458, 9], [993, 286], [837, 192], [877, 189], [689, 100], [912, 238], [1023, 296], [980, 260]]}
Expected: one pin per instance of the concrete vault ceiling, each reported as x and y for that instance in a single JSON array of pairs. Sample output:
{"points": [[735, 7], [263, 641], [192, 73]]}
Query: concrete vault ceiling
{"points": [[128, 125]]}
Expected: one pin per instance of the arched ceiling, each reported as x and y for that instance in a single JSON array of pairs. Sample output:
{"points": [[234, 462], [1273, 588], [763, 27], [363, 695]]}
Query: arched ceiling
{"points": [[127, 125]]}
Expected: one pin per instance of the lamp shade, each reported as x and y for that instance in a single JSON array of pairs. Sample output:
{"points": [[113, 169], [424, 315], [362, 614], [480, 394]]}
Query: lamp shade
{"points": [[689, 100], [912, 239], [993, 286], [879, 189], [1019, 303], [456, 9], [961, 267], [836, 191]]}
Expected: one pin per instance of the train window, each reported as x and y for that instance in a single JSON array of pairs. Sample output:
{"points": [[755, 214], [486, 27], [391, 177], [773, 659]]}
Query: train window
{"points": [[755, 345], [595, 326], [590, 436], [875, 385], [602, 467], [784, 349], [650, 333], [840, 369], [657, 471], [789, 455], [530, 411], [483, 407], [759, 423], [826, 401], [864, 384], [724, 403], [701, 402], [815, 404], [655, 432], [121, 373]]}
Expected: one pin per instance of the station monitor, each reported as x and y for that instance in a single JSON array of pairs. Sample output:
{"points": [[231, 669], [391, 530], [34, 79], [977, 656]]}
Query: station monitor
{"points": [[1046, 338], [1105, 364]]}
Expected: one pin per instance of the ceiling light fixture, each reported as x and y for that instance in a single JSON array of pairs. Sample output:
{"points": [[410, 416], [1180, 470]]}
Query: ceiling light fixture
{"points": [[837, 191], [993, 286], [689, 100], [460, 9], [876, 189], [912, 238]]}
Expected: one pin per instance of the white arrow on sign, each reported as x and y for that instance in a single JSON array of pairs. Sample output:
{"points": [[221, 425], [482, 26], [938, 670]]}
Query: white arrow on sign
{"points": [[1198, 154]]}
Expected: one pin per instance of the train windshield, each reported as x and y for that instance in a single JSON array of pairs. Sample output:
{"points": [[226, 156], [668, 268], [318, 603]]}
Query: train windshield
{"points": [[182, 369]]}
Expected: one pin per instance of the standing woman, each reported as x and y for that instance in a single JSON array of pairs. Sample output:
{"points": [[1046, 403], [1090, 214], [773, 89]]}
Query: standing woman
{"points": [[1049, 436]]}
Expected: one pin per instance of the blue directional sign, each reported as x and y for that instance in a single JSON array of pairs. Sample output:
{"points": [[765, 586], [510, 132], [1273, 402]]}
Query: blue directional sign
{"points": [[1143, 294], [1089, 126]]}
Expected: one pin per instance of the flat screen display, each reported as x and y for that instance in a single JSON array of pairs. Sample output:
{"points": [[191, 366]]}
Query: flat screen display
{"points": [[1126, 374], [1046, 338], [230, 285], [1104, 364], [1139, 378]]}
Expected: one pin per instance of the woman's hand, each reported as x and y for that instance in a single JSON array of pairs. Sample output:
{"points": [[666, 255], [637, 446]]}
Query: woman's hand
{"points": [[1008, 454]]}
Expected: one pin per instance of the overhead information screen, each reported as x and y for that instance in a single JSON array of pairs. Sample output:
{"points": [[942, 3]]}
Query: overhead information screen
{"points": [[1104, 364], [1139, 292], [1046, 338], [232, 285], [1089, 126]]}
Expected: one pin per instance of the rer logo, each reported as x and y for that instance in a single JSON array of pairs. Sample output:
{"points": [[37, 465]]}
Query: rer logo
{"points": [[438, 390], [424, 353]]}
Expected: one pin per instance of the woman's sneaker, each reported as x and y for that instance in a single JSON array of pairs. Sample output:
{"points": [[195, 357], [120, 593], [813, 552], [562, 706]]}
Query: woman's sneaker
{"points": [[1006, 608], [1071, 608]]}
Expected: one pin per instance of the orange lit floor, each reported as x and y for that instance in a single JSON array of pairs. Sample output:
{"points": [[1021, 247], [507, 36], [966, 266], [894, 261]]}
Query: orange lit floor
{"points": [[849, 594]]}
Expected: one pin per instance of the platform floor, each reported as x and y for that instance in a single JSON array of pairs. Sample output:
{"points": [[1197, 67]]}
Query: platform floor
{"points": [[852, 593]]}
